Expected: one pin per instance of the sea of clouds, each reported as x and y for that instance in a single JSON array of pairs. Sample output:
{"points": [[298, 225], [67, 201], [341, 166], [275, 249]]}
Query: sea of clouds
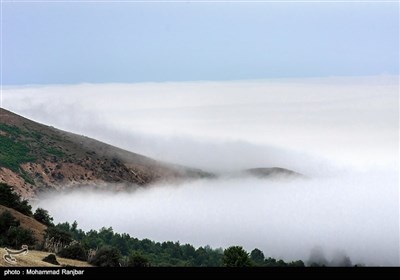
{"points": [[343, 133]]}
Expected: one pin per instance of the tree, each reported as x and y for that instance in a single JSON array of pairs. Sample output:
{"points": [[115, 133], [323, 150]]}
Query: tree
{"points": [[59, 235], [201, 257], [257, 256], [13, 200], [107, 256], [11, 234], [74, 251], [236, 256], [138, 260], [298, 263], [7, 221], [270, 262], [43, 217], [18, 236]]}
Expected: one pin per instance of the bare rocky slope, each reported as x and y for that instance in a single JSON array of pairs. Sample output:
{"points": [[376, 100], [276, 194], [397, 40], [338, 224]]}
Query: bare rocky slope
{"points": [[35, 157]]}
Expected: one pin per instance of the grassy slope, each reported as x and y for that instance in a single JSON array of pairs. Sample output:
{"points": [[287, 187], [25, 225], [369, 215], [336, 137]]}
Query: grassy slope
{"points": [[27, 222], [34, 258]]}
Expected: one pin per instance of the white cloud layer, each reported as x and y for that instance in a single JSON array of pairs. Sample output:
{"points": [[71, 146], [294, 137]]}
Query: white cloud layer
{"points": [[342, 132], [354, 213], [346, 120]]}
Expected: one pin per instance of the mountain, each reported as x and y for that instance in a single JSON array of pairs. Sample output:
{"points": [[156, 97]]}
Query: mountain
{"points": [[35, 157], [272, 172]]}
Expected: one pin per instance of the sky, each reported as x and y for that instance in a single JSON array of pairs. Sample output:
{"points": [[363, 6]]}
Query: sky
{"points": [[68, 43], [312, 87]]}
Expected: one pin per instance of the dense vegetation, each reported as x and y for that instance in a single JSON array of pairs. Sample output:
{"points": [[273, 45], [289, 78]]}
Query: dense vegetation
{"points": [[114, 249], [12, 200], [42, 215], [108, 248], [11, 234], [13, 152]]}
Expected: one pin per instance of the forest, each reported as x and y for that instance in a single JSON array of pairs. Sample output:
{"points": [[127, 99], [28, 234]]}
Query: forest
{"points": [[107, 248]]}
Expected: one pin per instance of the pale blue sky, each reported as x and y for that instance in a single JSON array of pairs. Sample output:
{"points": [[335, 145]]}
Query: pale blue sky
{"points": [[63, 43]]}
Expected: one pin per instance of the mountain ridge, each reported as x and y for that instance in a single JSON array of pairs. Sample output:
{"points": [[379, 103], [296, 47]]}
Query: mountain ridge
{"points": [[36, 157]]}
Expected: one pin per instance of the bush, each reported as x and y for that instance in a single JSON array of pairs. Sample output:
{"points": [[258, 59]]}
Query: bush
{"points": [[11, 234], [13, 200], [138, 260], [7, 221], [59, 235], [75, 251], [236, 256], [51, 259], [106, 256], [43, 217], [17, 236], [257, 256]]}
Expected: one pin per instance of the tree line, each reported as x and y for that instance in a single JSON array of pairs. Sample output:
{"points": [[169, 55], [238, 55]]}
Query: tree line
{"points": [[105, 247]]}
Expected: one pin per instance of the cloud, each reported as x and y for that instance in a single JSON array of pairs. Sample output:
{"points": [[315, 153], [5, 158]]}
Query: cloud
{"points": [[341, 132], [355, 213], [352, 121]]}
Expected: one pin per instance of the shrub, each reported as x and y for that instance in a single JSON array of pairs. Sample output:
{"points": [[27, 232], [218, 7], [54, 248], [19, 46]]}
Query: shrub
{"points": [[51, 259], [257, 256], [6, 222], [43, 217], [13, 200], [59, 235], [17, 236], [107, 256], [138, 260], [236, 256], [75, 251]]}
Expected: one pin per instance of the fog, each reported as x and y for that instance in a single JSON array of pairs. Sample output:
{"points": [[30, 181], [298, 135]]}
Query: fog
{"points": [[341, 132], [355, 213], [349, 121]]}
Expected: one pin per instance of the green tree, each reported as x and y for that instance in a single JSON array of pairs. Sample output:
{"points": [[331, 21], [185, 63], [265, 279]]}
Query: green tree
{"points": [[107, 256], [257, 256], [298, 263], [43, 217], [59, 235], [74, 251], [7, 221], [201, 257], [11, 199], [18, 236], [136, 259], [236, 256], [188, 253], [270, 262]]}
